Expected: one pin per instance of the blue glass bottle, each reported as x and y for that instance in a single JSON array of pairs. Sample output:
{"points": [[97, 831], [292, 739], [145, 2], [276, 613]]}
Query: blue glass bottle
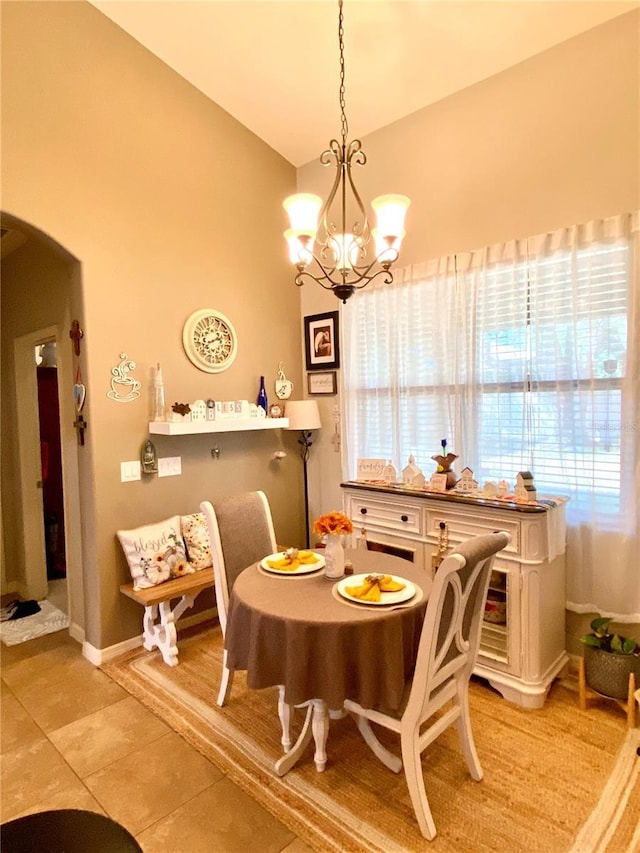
{"points": [[262, 396]]}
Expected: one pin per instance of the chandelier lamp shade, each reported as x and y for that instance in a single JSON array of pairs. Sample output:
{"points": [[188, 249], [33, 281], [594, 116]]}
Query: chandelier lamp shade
{"points": [[332, 243]]}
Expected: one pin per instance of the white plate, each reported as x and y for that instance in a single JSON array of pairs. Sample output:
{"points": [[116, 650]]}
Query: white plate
{"points": [[303, 569], [386, 597]]}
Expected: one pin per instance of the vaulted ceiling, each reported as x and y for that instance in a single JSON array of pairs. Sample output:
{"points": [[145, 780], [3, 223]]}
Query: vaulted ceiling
{"points": [[274, 64]]}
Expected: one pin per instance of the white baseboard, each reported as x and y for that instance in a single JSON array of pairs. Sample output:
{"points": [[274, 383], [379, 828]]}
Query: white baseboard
{"points": [[76, 632], [99, 656]]}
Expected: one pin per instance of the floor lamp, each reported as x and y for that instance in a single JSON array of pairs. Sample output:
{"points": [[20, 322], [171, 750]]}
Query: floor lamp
{"points": [[304, 416]]}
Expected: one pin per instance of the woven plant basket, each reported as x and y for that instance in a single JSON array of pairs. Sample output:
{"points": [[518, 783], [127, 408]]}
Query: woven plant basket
{"points": [[608, 674]]}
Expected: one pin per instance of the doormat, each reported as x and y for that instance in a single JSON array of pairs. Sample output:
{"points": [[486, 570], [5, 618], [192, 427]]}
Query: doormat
{"points": [[48, 620]]}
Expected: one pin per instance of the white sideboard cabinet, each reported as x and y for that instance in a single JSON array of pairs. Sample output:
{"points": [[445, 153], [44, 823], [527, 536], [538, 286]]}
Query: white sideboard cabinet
{"points": [[522, 647]]}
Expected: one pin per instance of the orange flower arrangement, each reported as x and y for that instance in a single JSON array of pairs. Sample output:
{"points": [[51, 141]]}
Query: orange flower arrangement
{"points": [[333, 522]]}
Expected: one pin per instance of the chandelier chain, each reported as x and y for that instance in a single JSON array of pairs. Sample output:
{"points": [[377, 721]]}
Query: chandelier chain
{"points": [[345, 128], [343, 261]]}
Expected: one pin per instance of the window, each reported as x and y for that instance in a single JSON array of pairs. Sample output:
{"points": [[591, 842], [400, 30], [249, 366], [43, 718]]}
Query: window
{"points": [[518, 361]]}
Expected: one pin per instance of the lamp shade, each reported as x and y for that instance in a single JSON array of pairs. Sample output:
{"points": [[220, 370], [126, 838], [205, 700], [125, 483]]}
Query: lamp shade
{"points": [[303, 210], [302, 414], [390, 211]]}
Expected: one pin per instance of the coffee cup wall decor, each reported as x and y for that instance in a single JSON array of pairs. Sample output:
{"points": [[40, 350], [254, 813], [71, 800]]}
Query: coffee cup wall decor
{"points": [[124, 388]]}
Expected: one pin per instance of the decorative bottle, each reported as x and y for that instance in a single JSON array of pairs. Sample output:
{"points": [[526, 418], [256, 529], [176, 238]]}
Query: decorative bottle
{"points": [[334, 556], [262, 396], [362, 540], [158, 401]]}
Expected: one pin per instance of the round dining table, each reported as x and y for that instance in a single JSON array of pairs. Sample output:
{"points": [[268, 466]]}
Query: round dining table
{"points": [[297, 632]]}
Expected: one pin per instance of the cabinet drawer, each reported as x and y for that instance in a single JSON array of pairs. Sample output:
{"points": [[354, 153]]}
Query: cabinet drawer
{"points": [[388, 515], [397, 546], [463, 525]]}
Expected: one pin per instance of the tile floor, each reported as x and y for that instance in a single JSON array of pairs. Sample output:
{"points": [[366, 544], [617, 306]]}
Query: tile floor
{"points": [[70, 737]]}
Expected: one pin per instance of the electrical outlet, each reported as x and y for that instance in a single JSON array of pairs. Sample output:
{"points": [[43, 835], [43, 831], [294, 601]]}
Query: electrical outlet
{"points": [[130, 471], [169, 466]]}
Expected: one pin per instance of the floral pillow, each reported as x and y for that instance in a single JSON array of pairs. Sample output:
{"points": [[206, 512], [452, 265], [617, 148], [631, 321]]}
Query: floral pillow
{"points": [[196, 537], [155, 553]]}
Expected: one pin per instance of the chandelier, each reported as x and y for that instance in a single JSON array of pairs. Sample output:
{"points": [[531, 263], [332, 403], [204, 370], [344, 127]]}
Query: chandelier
{"points": [[321, 244]]}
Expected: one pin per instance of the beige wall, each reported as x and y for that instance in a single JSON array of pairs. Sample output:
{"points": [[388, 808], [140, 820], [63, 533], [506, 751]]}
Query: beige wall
{"points": [[551, 142], [169, 205]]}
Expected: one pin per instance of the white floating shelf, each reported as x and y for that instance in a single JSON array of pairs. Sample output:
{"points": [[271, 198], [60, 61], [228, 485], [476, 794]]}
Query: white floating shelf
{"points": [[222, 425]]}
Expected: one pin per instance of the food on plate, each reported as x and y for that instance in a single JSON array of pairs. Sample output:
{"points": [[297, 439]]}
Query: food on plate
{"points": [[373, 594], [372, 587], [362, 589], [387, 584], [292, 559]]}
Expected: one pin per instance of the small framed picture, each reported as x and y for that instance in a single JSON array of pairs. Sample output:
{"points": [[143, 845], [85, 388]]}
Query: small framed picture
{"points": [[321, 341], [276, 410], [322, 383]]}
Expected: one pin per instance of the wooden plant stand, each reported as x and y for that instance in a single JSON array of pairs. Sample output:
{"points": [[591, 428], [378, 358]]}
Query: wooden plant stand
{"points": [[587, 696]]}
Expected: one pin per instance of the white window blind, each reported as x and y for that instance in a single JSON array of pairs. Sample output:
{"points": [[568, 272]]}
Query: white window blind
{"points": [[518, 363]]}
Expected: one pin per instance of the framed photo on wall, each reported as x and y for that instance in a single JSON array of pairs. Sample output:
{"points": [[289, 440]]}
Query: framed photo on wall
{"points": [[322, 383], [321, 341]]}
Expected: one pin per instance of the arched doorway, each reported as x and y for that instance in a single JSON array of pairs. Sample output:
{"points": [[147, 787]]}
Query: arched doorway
{"points": [[40, 284]]}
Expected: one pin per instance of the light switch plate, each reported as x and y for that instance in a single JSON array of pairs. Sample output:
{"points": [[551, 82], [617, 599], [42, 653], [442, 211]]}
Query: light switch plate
{"points": [[170, 466], [130, 471]]}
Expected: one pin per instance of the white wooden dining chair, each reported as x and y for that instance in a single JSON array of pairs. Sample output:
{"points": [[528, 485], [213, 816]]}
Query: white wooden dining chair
{"points": [[241, 533], [446, 656]]}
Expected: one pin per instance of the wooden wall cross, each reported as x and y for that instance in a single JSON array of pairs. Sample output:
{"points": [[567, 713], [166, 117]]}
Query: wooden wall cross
{"points": [[76, 334], [81, 425]]}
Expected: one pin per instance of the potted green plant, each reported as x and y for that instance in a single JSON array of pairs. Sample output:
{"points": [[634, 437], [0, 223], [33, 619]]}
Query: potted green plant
{"points": [[609, 659]]}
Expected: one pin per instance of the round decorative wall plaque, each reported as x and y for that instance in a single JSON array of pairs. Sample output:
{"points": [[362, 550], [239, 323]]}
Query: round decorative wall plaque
{"points": [[209, 340]]}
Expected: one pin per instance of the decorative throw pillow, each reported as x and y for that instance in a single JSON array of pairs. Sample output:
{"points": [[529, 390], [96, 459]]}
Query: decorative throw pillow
{"points": [[196, 538], [155, 553]]}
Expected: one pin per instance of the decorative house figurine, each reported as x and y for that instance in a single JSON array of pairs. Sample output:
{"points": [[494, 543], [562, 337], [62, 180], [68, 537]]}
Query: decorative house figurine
{"points": [[412, 476], [466, 483], [445, 461], [503, 489], [490, 489], [525, 490], [198, 411], [389, 473], [211, 410]]}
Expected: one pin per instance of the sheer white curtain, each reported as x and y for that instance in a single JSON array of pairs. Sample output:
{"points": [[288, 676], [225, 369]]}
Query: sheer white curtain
{"points": [[525, 356]]}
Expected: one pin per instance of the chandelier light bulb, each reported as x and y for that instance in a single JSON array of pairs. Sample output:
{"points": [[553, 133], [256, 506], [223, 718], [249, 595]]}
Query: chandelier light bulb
{"points": [[345, 249], [387, 247], [343, 263], [300, 247]]}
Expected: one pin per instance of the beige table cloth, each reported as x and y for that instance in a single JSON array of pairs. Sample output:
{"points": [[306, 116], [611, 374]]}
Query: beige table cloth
{"points": [[291, 630]]}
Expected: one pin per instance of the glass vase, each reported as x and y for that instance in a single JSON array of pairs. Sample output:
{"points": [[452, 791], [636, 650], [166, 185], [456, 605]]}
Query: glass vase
{"points": [[334, 556]]}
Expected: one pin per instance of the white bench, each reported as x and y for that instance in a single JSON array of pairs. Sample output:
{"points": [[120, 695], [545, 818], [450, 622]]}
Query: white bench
{"points": [[159, 620]]}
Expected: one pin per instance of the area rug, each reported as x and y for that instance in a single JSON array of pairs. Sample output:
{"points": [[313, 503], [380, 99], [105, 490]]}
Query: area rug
{"points": [[614, 824], [544, 770], [48, 620]]}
